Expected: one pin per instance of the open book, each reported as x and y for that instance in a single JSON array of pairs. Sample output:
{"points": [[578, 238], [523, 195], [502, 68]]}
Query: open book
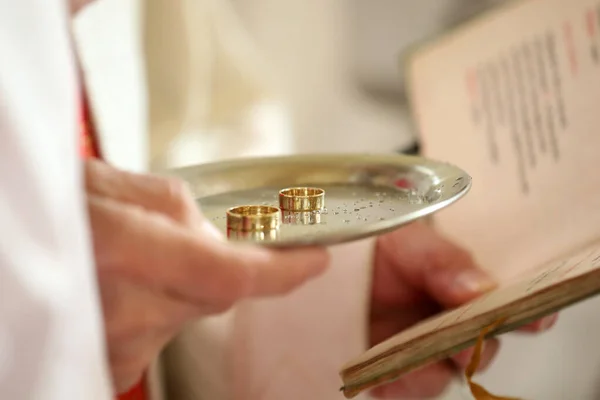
{"points": [[513, 97]]}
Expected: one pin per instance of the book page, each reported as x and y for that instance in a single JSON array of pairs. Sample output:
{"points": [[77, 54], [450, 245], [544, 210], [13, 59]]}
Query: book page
{"points": [[547, 277], [513, 98]]}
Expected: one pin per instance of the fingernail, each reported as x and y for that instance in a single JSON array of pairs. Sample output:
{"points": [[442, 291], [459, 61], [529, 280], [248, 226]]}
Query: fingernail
{"points": [[475, 281]]}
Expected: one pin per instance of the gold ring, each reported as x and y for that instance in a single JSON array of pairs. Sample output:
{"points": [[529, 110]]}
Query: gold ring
{"points": [[253, 218], [302, 199], [253, 236]]}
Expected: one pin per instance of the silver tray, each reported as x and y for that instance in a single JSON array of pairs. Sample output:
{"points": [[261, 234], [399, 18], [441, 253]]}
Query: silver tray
{"points": [[365, 195]]}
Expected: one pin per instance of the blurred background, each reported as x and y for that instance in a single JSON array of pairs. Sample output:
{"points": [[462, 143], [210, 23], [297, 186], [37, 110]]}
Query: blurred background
{"points": [[337, 62], [323, 76]]}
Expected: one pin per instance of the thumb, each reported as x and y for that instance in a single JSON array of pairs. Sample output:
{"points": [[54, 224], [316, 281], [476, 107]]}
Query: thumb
{"points": [[434, 265], [276, 272], [453, 278]]}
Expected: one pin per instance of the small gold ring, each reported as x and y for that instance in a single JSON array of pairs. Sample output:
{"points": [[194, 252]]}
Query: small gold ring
{"points": [[302, 199], [253, 218]]}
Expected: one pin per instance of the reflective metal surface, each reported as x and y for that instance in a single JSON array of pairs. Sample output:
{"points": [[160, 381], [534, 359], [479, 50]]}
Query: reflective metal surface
{"points": [[366, 195]]}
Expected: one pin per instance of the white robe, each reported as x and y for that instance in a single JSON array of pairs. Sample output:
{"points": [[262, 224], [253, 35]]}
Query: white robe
{"points": [[51, 333]]}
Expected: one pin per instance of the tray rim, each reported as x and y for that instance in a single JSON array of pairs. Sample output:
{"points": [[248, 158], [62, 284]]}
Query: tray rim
{"points": [[419, 162]]}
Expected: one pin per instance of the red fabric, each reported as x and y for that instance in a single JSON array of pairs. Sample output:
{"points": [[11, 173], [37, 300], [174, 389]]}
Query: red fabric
{"points": [[137, 393], [90, 148], [88, 145]]}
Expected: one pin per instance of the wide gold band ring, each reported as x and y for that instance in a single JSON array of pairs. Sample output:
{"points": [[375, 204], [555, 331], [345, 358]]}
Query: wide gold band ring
{"points": [[253, 236], [302, 199], [253, 218]]}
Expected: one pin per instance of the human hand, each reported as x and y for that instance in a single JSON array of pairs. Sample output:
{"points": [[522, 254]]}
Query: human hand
{"points": [[160, 264], [417, 274]]}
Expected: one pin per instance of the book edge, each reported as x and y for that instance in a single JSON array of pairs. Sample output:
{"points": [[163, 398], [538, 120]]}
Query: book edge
{"points": [[352, 389], [353, 367]]}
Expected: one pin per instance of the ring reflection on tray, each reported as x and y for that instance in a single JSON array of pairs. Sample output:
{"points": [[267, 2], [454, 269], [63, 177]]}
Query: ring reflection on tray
{"points": [[302, 199], [253, 218], [254, 236], [301, 217]]}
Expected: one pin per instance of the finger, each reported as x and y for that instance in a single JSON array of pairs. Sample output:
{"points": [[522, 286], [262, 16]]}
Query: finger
{"points": [[489, 351], [125, 378], [431, 263], [196, 266], [127, 371], [139, 322], [132, 310], [384, 325], [168, 196], [455, 284], [427, 382], [540, 325], [285, 270]]}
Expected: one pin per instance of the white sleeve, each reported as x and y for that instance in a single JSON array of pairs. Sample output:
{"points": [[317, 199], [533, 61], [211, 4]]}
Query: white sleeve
{"points": [[51, 343]]}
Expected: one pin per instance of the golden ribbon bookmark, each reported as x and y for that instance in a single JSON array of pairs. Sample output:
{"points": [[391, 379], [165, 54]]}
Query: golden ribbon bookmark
{"points": [[478, 391]]}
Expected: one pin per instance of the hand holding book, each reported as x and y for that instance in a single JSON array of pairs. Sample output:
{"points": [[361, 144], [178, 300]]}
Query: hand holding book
{"points": [[418, 273]]}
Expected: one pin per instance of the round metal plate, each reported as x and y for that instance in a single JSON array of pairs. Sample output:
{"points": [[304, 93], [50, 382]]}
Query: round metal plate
{"points": [[365, 195]]}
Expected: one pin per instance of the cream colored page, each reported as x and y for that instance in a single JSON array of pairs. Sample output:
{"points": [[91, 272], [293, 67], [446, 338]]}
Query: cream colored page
{"points": [[583, 261], [514, 99]]}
